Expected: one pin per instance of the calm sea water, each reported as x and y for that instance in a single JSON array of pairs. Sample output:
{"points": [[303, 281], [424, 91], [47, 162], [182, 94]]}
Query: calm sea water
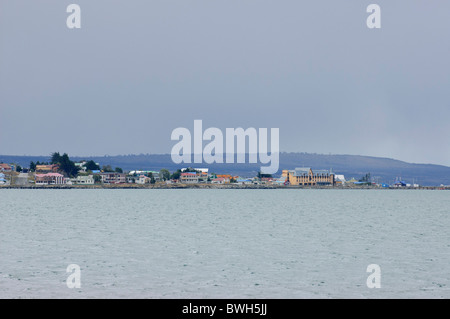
{"points": [[224, 243]]}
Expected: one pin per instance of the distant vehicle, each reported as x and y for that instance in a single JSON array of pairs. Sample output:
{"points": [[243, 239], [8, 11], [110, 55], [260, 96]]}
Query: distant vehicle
{"points": [[25, 170], [400, 184]]}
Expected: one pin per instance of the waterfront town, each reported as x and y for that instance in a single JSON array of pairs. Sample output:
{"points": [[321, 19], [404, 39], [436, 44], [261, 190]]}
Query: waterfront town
{"points": [[61, 172]]}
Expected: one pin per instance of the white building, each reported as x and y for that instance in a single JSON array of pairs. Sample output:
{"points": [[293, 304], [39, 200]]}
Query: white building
{"points": [[113, 178], [49, 179], [142, 180], [85, 180], [339, 178], [189, 178], [220, 180]]}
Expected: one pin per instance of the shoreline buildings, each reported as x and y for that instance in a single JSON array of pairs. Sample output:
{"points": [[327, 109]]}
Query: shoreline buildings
{"points": [[113, 178]]}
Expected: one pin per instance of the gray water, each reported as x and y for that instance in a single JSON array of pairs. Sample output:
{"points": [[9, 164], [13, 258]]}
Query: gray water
{"points": [[224, 243]]}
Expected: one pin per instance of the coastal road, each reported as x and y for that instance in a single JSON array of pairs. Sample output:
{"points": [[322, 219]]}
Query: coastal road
{"points": [[22, 179]]}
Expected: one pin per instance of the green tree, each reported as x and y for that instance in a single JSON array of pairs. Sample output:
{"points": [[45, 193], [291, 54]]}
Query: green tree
{"points": [[92, 166], [65, 164], [107, 168], [97, 179], [32, 166], [164, 174], [18, 168], [152, 180], [55, 158], [118, 170], [176, 174]]}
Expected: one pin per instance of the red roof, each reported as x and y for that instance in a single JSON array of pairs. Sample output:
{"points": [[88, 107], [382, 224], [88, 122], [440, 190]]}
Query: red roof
{"points": [[189, 174]]}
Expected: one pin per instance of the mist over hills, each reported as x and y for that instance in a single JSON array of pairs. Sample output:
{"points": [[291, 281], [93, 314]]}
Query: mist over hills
{"points": [[383, 170]]}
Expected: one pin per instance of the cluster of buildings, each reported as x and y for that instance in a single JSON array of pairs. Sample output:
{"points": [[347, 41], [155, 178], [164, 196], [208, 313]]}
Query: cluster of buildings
{"points": [[304, 176], [5, 168], [50, 175], [202, 175], [301, 176]]}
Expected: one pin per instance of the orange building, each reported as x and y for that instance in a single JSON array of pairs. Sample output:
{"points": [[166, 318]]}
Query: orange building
{"points": [[227, 176]]}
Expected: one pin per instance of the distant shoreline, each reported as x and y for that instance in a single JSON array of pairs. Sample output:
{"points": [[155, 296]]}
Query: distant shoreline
{"points": [[385, 170], [213, 186]]}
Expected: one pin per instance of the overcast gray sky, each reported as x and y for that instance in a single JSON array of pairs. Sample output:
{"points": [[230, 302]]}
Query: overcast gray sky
{"points": [[136, 70]]}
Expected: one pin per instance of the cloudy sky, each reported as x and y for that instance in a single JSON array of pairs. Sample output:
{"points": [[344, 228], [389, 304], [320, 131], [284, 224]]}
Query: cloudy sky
{"points": [[136, 70]]}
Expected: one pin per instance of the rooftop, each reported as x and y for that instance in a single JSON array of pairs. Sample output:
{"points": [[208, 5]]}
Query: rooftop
{"points": [[302, 171], [49, 174]]}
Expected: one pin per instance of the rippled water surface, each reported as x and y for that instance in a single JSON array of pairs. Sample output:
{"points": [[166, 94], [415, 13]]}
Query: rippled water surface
{"points": [[224, 243]]}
